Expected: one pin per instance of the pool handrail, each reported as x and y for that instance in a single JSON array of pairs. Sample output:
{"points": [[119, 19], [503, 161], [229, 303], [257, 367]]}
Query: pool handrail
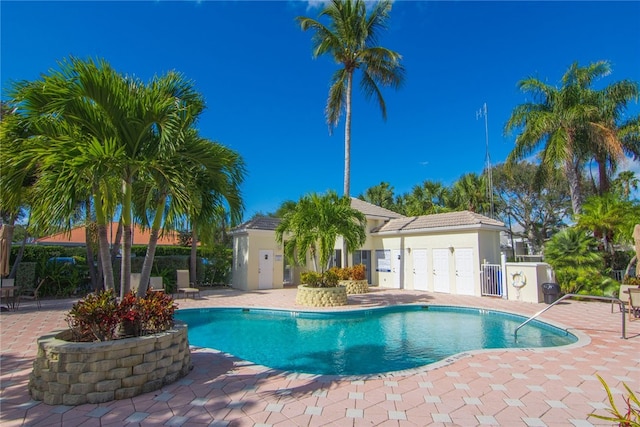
{"points": [[567, 296]]}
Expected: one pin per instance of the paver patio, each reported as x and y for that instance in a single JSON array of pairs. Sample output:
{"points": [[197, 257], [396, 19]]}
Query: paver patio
{"points": [[524, 387]]}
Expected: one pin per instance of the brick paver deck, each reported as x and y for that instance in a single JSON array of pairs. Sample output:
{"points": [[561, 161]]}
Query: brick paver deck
{"points": [[524, 387]]}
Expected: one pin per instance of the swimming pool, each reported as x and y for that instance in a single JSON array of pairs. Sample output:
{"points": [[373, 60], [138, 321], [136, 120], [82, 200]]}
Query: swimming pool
{"points": [[361, 342]]}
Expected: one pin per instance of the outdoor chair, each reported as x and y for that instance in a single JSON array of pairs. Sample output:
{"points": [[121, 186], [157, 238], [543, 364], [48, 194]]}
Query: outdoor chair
{"points": [[31, 294], [184, 287], [634, 303], [155, 284], [623, 296]]}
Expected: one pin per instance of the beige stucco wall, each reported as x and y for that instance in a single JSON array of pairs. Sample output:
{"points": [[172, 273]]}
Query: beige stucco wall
{"points": [[483, 244], [535, 274], [246, 262]]}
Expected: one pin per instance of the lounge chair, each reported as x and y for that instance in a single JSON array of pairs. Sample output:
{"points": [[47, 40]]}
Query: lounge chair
{"points": [[634, 303], [31, 294], [184, 287]]}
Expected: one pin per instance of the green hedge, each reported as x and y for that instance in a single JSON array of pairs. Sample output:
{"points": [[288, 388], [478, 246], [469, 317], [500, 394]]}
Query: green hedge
{"points": [[213, 266]]}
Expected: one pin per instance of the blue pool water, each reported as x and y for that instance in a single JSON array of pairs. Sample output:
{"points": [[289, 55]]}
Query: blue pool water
{"points": [[363, 341]]}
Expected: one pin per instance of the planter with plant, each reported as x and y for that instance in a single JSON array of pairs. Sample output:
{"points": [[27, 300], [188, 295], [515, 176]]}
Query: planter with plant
{"points": [[112, 350], [354, 279], [320, 290], [310, 229]]}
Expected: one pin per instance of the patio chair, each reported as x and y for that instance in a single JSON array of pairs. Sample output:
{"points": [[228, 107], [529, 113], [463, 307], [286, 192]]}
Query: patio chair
{"points": [[634, 303], [184, 287], [32, 294], [623, 296], [155, 284]]}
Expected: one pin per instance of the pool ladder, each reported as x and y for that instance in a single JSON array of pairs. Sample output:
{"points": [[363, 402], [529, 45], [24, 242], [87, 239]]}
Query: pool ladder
{"points": [[567, 296]]}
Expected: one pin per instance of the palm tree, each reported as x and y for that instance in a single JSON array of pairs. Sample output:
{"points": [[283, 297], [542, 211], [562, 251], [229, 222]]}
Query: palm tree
{"points": [[315, 224], [572, 254], [469, 193], [350, 38], [380, 195], [610, 138], [117, 127], [625, 182], [609, 218], [212, 175], [560, 119]]}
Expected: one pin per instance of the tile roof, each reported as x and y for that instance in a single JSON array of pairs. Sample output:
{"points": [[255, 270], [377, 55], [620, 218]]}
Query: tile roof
{"points": [[258, 223], [77, 236], [370, 209], [442, 220]]}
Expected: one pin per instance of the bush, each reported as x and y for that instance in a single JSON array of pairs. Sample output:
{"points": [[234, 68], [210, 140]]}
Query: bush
{"points": [[327, 279], [358, 272], [97, 316], [633, 281]]}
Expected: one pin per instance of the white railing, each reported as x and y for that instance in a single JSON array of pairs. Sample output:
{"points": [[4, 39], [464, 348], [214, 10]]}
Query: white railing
{"points": [[491, 280]]}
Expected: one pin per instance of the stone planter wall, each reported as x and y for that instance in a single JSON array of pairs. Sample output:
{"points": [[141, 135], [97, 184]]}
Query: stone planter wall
{"points": [[321, 297], [355, 286], [74, 373]]}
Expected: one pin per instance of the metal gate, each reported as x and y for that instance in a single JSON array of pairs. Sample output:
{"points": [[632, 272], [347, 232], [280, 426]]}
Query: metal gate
{"points": [[491, 280]]}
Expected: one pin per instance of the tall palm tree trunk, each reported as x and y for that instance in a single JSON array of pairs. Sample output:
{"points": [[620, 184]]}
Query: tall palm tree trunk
{"points": [[16, 263], [575, 186], [193, 256], [145, 275], [103, 242], [347, 137], [125, 268], [88, 238], [347, 154]]}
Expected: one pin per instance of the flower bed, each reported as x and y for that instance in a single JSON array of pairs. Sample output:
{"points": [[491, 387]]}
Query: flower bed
{"points": [[321, 297], [74, 373]]}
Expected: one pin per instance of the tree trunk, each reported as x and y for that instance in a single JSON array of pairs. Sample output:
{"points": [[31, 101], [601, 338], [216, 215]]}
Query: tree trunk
{"points": [[103, 243], [16, 263], [603, 178], [148, 263], [193, 256], [571, 168], [125, 268], [151, 249], [8, 235], [347, 153], [93, 275]]}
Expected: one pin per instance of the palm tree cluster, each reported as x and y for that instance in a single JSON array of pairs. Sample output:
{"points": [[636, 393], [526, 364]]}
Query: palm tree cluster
{"points": [[313, 224], [576, 124], [430, 197], [86, 139]]}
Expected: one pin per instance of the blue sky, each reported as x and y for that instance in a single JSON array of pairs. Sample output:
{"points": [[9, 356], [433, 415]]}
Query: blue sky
{"points": [[266, 95]]}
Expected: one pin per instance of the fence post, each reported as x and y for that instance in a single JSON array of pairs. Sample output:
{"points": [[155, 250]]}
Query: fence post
{"points": [[503, 275]]}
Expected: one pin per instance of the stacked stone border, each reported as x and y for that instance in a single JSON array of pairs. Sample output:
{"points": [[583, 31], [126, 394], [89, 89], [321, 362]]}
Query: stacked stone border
{"points": [[355, 287], [321, 297], [75, 373]]}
